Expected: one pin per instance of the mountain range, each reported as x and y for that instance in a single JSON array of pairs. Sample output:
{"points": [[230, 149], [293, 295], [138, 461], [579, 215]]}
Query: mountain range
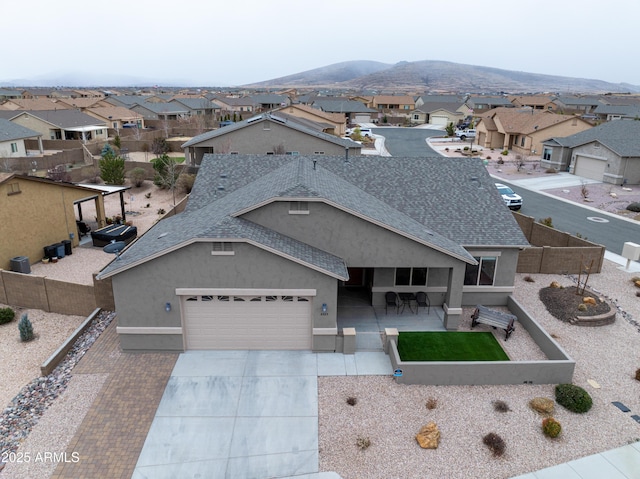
{"points": [[438, 76]]}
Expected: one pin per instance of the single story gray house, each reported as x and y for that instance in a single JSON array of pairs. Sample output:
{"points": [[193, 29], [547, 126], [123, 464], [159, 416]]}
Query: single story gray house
{"points": [[259, 257], [609, 152], [270, 133]]}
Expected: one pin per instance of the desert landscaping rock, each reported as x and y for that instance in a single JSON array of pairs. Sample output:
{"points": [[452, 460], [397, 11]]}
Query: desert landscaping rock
{"points": [[429, 436], [28, 406], [542, 405]]}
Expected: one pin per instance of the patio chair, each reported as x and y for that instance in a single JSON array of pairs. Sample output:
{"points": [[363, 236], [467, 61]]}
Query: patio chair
{"points": [[391, 299], [422, 300], [83, 228]]}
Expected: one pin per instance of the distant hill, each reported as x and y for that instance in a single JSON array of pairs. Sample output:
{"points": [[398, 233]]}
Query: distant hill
{"points": [[438, 76]]}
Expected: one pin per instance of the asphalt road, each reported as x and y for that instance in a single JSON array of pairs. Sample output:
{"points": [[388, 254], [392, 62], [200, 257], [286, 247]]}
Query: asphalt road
{"points": [[607, 230], [408, 141], [604, 229]]}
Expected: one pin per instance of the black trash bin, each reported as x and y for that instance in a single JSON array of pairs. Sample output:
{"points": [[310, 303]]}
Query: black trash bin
{"points": [[67, 247], [59, 249], [51, 251]]}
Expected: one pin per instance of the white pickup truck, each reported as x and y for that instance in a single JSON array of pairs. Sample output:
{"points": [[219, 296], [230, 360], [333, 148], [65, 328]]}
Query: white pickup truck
{"points": [[464, 134]]}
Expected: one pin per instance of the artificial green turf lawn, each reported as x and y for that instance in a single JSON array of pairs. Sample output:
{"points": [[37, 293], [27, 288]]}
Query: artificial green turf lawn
{"points": [[450, 346]]}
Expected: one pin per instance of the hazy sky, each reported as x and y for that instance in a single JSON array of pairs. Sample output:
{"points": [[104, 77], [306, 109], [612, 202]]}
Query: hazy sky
{"points": [[234, 42]]}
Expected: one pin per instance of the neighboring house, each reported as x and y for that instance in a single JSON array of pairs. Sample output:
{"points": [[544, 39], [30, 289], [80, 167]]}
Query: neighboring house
{"points": [[523, 130], [63, 125], [259, 256], [117, 117], [352, 111], [6, 94], [39, 104], [481, 104], [393, 104], [37, 212], [82, 103], [440, 114], [536, 102], [126, 101], [422, 99], [333, 123], [230, 105], [151, 110], [609, 152], [577, 104], [269, 101], [268, 134], [12, 138], [200, 107], [617, 112]]}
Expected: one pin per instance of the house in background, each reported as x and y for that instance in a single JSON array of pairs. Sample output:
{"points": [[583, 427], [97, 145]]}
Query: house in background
{"points": [[117, 117], [39, 104], [150, 110], [63, 125], [332, 123], [262, 254], [609, 153], [483, 103], [12, 138], [37, 212], [269, 134], [352, 111], [535, 102], [269, 101], [523, 130]]}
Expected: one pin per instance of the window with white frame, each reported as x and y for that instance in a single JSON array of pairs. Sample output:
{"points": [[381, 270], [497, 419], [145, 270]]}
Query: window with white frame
{"points": [[411, 277], [298, 208], [546, 153], [14, 148], [483, 273], [222, 248]]}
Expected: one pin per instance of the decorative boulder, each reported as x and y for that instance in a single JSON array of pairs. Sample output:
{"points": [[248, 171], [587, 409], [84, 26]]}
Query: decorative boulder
{"points": [[555, 284], [429, 436], [542, 405], [589, 300]]}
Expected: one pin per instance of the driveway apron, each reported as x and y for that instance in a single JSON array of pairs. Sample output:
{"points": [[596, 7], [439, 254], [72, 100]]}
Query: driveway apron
{"points": [[232, 414]]}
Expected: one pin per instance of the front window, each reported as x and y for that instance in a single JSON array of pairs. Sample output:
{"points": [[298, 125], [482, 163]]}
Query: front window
{"points": [[14, 147], [411, 276], [546, 154], [481, 274]]}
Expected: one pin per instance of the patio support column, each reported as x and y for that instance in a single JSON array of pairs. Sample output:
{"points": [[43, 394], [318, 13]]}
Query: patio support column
{"points": [[453, 298]]}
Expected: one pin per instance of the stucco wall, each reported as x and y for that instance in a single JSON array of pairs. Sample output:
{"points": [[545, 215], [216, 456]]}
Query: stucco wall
{"points": [[5, 149], [40, 215], [617, 169], [265, 137], [141, 293]]}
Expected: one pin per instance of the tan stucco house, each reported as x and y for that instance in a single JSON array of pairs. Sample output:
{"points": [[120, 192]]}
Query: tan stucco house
{"points": [[524, 130], [37, 212]]}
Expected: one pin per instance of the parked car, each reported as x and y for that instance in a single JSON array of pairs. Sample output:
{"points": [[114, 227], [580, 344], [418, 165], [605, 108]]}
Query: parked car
{"points": [[512, 199], [363, 131], [464, 134]]}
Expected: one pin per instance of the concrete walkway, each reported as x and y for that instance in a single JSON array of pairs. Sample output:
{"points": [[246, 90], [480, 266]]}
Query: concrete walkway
{"points": [[249, 414]]}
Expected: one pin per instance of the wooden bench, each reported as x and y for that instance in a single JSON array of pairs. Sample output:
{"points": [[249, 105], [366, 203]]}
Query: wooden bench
{"points": [[494, 318]]}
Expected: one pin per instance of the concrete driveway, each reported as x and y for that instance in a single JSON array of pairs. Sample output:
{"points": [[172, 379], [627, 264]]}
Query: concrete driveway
{"points": [[244, 414]]}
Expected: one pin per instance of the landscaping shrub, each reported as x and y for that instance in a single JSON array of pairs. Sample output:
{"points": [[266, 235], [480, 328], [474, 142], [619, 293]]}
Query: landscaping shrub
{"points": [[635, 207], [432, 403], [551, 427], [574, 398], [582, 307], [363, 442], [546, 221], [137, 176], [352, 401], [161, 211], [500, 406], [529, 279], [495, 444], [25, 328], [6, 315], [185, 182], [504, 152], [638, 374]]}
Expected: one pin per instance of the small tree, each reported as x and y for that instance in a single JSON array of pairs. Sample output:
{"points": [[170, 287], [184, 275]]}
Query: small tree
{"points": [[159, 147], [26, 328], [117, 142], [107, 151], [167, 173], [112, 170], [137, 176], [450, 129]]}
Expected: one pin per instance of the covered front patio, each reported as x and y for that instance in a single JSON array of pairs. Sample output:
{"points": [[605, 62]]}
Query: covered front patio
{"points": [[355, 311]]}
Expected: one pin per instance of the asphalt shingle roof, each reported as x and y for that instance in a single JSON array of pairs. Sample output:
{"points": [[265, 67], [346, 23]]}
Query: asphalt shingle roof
{"points": [[12, 131], [66, 118], [620, 136], [447, 205]]}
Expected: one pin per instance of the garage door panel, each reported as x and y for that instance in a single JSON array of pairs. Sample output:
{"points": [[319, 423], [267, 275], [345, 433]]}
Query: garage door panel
{"points": [[591, 168], [245, 324]]}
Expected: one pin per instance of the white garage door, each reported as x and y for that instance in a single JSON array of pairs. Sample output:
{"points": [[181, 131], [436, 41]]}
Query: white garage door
{"points": [[439, 120], [247, 322], [591, 168]]}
